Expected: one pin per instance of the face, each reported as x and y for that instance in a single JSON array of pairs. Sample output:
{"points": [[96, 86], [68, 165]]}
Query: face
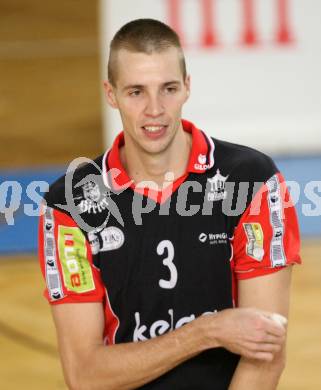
{"points": [[149, 93]]}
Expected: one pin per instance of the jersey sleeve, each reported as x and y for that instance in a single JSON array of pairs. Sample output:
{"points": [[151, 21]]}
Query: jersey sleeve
{"points": [[266, 238], [66, 260]]}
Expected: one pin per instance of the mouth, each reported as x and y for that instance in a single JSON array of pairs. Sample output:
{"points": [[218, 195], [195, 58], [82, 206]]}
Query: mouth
{"points": [[154, 131]]}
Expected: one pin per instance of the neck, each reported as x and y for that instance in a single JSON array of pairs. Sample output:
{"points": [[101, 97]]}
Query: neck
{"points": [[142, 166]]}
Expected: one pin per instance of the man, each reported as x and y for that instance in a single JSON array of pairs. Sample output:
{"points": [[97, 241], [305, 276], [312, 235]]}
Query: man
{"points": [[167, 271]]}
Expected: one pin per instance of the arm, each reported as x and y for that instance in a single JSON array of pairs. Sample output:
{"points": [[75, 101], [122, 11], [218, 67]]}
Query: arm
{"points": [[270, 292], [89, 364]]}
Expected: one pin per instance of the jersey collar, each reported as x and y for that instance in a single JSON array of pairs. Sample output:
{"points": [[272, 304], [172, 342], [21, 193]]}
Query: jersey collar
{"points": [[201, 156]]}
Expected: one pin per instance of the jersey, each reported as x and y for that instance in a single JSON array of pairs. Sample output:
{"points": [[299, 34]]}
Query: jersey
{"points": [[159, 259]]}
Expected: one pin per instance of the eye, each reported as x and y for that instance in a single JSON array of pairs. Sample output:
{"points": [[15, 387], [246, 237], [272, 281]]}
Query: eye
{"points": [[171, 89], [134, 93]]}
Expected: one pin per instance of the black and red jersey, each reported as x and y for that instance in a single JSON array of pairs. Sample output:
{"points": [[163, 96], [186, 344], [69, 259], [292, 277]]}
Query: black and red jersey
{"points": [[159, 259]]}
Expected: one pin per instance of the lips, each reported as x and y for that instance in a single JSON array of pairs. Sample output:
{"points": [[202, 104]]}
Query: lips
{"points": [[154, 131]]}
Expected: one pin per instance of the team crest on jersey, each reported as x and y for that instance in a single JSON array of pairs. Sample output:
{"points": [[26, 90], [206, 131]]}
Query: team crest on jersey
{"points": [[91, 191], [92, 199], [217, 187]]}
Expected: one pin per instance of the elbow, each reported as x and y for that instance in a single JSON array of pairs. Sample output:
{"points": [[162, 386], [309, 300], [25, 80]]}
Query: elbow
{"points": [[83, 382], [76, 376], [81, 376], [73, 380], [77, 381]]}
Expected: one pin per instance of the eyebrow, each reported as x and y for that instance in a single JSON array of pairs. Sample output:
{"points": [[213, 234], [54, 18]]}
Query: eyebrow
{"points": [[140, 86], [175, 82], [132, 86]]}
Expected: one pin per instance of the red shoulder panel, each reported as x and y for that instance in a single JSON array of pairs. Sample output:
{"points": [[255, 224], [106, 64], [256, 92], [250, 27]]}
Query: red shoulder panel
{"points": [[66, 260], [266, 238]]}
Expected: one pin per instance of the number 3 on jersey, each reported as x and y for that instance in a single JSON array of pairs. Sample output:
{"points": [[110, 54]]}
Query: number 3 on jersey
{"points": [[168, 262]]}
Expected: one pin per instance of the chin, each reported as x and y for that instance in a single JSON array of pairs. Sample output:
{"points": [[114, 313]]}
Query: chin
{"points": [[155, 149]]}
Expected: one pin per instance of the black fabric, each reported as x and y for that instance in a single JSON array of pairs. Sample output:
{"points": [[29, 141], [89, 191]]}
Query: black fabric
{"points": [[133, 271]]}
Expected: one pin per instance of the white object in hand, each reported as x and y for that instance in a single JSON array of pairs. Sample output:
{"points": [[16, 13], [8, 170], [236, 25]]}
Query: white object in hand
{"points": [[279, 319]]}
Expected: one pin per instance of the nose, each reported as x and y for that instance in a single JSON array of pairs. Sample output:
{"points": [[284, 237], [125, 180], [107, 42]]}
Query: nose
{"points": [[154, 106]]}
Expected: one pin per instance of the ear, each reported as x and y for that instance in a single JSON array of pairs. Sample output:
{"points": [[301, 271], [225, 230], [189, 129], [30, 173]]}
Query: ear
{"points": [[110, 94]]}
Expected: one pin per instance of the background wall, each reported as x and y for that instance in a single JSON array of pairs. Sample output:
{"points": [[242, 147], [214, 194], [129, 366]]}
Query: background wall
{"points": [[254, 64], [49, 82]]}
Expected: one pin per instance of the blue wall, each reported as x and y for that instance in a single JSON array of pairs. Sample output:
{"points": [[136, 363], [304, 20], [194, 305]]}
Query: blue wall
{"points": [[22, 235], [303, 171]]}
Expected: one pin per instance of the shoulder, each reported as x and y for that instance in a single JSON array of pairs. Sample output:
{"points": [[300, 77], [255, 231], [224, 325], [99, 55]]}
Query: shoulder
{"points": [[67, 183], [243, 163]]}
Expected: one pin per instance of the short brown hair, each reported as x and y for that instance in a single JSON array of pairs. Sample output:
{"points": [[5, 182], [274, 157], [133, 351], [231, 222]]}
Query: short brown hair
{"points": [[143, 36]]}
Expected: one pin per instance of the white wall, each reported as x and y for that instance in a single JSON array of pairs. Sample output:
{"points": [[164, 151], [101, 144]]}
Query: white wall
{"points": [[267, 96]]}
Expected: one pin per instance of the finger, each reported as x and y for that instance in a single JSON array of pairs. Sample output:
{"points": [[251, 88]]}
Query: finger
{"points": [[263, 347], [272, 339], [264, 356], [267, 347]]}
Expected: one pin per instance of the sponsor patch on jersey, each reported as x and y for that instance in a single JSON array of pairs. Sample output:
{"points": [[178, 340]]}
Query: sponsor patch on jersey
{"points": [[255, 239], [202, 237], [201, 163], [159, 327], [112, 238], [94, 242], [213, 238], [217, 187], [76, 269], [52, 274], [275, 207]]}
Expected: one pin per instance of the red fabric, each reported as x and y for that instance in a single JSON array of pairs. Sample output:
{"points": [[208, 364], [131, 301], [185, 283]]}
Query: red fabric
{"points": [[112, 322], [258, 211], [96, 295]]}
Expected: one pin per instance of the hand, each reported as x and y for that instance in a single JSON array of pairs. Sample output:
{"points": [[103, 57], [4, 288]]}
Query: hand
{"points": [[252, 333]]}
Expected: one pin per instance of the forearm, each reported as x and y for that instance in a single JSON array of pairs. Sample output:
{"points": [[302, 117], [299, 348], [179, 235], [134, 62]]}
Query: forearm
{"points": [[89, 364], [253, 374], [130, 365]]}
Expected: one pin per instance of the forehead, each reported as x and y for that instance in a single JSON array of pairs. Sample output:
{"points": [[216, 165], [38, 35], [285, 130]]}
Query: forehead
{"points": [[142, 68]]}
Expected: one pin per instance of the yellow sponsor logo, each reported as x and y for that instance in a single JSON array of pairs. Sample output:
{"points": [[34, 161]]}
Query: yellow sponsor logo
{"points": [[255, 240], [77, 272]]}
